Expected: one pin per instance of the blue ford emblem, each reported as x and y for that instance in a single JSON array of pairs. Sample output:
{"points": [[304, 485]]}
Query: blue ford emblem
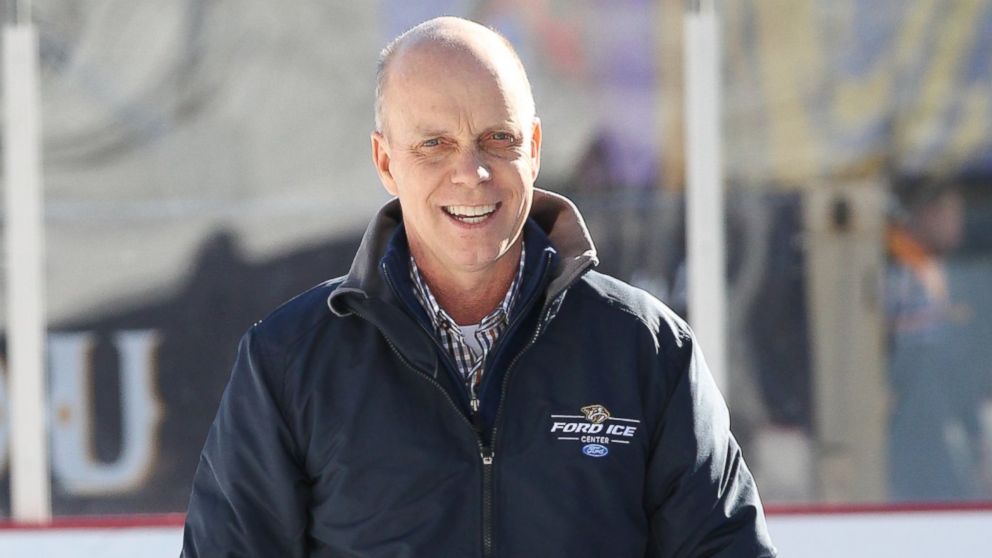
{"points": [[595, 450]]}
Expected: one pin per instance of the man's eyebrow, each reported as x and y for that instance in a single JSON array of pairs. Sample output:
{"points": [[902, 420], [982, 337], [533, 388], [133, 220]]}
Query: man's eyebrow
{"points": [[508, 126]]}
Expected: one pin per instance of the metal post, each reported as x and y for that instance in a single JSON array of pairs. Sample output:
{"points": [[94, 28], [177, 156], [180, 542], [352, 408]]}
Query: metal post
{"points": [[845, 264], [24, 235], [20, 12], [706, 259]]}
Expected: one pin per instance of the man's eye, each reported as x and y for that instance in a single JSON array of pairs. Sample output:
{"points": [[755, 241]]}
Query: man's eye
{"points": [[502, 136], [433, 142]]}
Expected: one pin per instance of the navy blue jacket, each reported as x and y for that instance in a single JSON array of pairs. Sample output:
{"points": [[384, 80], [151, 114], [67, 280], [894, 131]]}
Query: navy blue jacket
{"points": [[345, 433]]}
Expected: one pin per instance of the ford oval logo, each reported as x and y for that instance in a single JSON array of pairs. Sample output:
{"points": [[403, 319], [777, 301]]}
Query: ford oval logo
{"points": [[595, 450]]}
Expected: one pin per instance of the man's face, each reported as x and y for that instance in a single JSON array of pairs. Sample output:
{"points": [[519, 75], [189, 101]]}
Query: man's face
{"points": [[461, 152], [942, 222]]}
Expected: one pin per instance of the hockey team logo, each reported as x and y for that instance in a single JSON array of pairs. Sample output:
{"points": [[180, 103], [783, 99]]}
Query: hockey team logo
{"points": [[595, 429], [596, 414]]}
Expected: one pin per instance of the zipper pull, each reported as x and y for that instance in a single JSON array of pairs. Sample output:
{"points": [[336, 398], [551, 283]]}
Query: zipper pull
{"points": [[476, 417], [487, 455]]}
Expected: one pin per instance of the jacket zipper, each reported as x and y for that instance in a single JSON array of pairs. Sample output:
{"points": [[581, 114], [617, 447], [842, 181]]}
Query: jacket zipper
{"points": [[488, 455], [506, 379], [440, 388], [486, 452], [487, 501]]}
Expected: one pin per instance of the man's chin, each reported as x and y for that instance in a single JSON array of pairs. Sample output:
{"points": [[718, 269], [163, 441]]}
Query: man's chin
{"points": [[474, 261]]}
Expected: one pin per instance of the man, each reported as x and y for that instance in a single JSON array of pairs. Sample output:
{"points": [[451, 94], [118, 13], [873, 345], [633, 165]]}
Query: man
{"points": [[934, 429], [470, 388]]}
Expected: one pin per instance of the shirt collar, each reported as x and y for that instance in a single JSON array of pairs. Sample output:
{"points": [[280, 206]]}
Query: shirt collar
{"points": [[440, 319]]}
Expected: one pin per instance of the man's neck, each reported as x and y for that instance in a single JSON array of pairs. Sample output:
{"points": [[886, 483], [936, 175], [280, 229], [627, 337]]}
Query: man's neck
{"points": [[471, 295]]}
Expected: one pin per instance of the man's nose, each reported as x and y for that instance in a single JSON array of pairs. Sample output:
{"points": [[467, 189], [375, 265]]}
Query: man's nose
{"points": [[470, 168]]}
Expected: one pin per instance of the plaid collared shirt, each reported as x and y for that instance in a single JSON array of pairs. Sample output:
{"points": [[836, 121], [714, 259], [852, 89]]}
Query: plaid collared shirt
{"points": [[468, 360]]}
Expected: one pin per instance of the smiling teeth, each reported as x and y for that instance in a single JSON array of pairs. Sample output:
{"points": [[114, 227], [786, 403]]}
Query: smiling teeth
{"points": [[462, 211], [470, 214]]}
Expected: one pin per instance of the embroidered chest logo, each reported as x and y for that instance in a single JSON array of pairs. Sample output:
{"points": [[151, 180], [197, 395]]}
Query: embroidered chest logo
{"points": [[595, 429], [596, 414]]}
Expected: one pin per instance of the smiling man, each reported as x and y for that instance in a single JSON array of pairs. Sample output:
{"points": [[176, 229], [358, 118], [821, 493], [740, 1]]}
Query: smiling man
{"points": [[472, 388], [458, 143]]}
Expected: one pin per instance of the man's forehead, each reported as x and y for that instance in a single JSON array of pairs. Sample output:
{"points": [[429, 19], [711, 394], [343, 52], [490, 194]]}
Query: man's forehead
{"points": [[454, 58], [445, 97], [442, 68]]}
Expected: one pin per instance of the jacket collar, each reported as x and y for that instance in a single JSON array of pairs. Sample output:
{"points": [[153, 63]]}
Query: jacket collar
{"points": [[554, 214]]}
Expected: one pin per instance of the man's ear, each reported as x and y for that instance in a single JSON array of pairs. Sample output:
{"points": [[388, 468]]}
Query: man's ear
{"points": [[382, 160], [535, 147]]}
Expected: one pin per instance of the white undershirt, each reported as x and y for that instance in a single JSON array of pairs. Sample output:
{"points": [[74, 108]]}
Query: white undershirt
{"points": [[468, 334]]}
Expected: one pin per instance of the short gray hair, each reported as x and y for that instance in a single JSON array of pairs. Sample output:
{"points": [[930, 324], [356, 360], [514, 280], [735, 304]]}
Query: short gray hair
{"points": [[433, 30]]}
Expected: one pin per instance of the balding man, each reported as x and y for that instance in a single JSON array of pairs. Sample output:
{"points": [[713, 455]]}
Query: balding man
{"points": [[471, 388]]}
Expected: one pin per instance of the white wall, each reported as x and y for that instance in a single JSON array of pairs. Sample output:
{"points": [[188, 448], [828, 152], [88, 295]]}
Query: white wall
{"points": [[857, 535], [154, 542], [872, 535]]}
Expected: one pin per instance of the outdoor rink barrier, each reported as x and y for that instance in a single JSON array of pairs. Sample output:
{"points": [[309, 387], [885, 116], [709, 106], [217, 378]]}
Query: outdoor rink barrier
{"points": [[959, 531]]}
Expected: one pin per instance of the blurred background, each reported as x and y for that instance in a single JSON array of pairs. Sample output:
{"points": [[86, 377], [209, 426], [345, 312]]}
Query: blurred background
{"points": [[205, 160]]}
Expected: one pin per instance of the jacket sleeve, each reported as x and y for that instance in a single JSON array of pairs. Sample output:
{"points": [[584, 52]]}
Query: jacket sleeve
{"points": [[701, 498], [250, 492]]}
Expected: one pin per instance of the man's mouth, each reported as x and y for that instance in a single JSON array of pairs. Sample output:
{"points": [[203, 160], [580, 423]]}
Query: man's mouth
{"points": [[471, 214]]}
